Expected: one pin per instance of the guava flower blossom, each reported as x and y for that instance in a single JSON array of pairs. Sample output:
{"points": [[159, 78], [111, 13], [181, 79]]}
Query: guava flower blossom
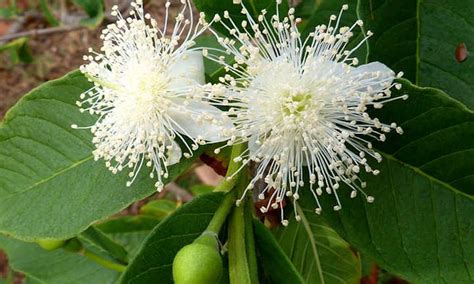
{"points": [[149, 93], [302, 106]]}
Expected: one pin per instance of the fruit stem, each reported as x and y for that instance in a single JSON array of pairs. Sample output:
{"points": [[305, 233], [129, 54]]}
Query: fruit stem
{"points": [[104, 262], [239, 266], [232, 175], [250, 241], [226, 186], [221, 214]]}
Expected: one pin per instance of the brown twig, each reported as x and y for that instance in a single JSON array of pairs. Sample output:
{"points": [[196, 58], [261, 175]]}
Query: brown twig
{"points": [[38, 32]]}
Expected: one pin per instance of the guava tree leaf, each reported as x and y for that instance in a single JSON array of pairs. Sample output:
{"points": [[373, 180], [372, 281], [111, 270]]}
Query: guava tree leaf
{"points": [[324, 10], [306, 8], [317, 251], [438, 135], [212, 7], [129, 231], [48, 14], [154, 260], [213, 69], [19, 50], [95, 11], [50, 185], [420, 38], [100, 244], [159, 208], [54, 267], [277, 267], [420, 226]]}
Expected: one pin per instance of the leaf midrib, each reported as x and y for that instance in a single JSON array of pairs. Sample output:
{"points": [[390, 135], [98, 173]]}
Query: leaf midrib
{"points": [[312, 241], [54, 175], [429, 177]]}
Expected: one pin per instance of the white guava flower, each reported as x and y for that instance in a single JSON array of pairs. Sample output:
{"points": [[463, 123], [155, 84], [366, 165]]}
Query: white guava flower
{"points": [[149, 93], [302, 105]]}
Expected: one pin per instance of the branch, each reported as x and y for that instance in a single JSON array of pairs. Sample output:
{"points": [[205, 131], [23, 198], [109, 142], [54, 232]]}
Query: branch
{"points": [[38, 32]]}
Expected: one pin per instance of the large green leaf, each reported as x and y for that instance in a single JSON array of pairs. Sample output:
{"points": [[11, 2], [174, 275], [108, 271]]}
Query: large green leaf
{"points": [[420, 39], [438, 135], [153, 263], [317, 251], [420, 225], [50, 185], [54, 267]]}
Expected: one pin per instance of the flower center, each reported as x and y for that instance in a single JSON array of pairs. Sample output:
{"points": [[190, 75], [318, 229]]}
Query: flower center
{"points": [[294, 103]]}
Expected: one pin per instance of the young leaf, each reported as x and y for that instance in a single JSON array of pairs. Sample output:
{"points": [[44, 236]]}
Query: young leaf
{"points": [[50, 185], [54, 267], [420, 225], [95, 11], [420, 39], [47, 13], [154, 261], [19, 50]]}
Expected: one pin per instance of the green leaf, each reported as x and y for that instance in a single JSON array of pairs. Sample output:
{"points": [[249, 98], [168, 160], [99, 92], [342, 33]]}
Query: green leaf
{"points": [[50, 185], [306, 8], [153, 262], [420, 39], [129, 231], [438, 135], [54, 267], [47, 13], [9, 10], [199, 189], [277, 266], [213, 69], [317, 251], [212, 7], [19, 50], [420, 225], [95, 11], [96, 241], [159, 208]]}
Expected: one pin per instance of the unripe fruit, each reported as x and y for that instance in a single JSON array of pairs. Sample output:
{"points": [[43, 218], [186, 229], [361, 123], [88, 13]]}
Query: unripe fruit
{"points": [[50, 244], [197, 263]]}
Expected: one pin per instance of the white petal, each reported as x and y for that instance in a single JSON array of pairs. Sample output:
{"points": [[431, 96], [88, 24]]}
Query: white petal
{"points": [[375, 74], [252, 144], [188, 70], [210, 129], [174, 154]]}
